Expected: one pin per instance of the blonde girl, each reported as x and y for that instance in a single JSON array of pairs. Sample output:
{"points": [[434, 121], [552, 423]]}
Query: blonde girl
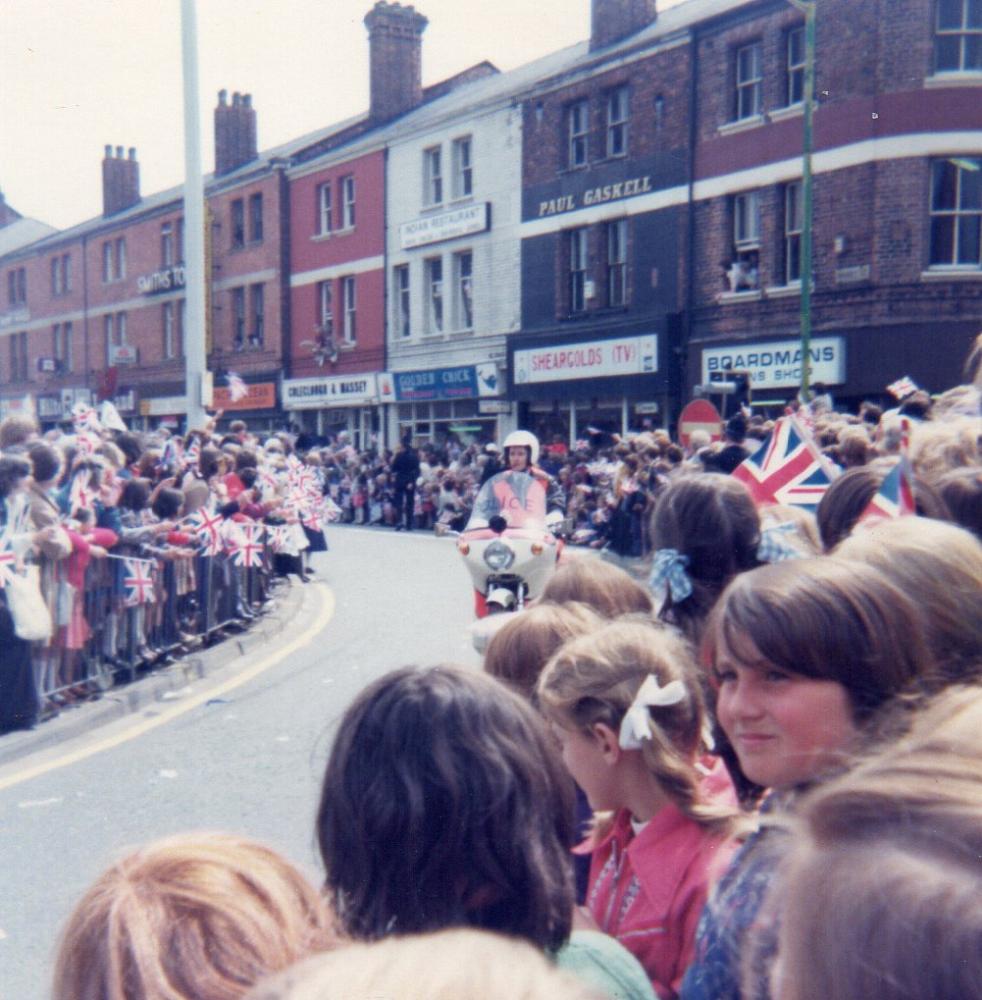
{"points": [[626, 706]]}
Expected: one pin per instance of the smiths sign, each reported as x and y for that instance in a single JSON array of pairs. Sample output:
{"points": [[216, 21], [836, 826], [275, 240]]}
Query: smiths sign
{"points": [[778, 365], [164, 280], [343, 390], [448, 226]]}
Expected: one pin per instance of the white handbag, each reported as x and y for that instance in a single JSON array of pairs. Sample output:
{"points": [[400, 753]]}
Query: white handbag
{"points": [[32, 619]]}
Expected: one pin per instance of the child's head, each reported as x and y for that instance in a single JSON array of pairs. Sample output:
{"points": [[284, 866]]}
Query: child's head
{"points": [[445, 804], [520, 649], [711, 522], [448, 965], [193, 917], [606, 588], [939, 566], [804, 653], [892, 850], [135, 495], [629, 686]]}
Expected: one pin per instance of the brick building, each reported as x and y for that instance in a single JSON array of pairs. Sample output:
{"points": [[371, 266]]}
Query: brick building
{"points": [[897, 281]]}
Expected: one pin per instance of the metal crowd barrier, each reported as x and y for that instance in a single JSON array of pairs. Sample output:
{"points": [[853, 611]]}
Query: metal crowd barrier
{"points": [[101, 640]]}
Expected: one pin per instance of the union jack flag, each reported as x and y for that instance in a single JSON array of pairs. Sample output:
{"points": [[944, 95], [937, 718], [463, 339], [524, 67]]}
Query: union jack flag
{"points": [[787, 468], [902, 388], [80, 497], [208, 529], [895, 497], [249, 552], [278, 536], [137, 581], [8, 561], [85, 418], [193, 453], [85, 443]]}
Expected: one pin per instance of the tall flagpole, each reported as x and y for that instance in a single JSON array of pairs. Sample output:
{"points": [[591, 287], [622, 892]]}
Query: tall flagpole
{"points": [[195, 362]]}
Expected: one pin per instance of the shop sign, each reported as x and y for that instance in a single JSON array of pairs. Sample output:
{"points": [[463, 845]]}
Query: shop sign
{"points": [[70, 398], [164, 406], [778, 365], [259, 396], [595, 196], [590, 359], [123, 354], [164, 280], [14, 317], [492, 407], [461, 382], [448, 226], [337, 390], [49, 407]]}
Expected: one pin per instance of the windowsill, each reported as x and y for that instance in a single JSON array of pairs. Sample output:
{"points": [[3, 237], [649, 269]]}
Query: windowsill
{"points": [[787, 291], [437, 206], [966, 272], [616, 156], [464, 199], [240, 247], [347, 345], [741, 125], [748, 295], [437, 335], [955, 78], [790, 111], [573, 168], [323, 237], [461, 334]]}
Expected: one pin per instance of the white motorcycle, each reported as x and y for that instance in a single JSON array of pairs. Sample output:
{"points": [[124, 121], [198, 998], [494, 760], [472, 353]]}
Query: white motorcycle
{"points": [[507, 545]]}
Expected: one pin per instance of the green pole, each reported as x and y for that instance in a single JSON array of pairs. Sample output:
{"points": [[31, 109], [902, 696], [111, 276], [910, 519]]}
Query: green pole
{"points": [[808, 7]]}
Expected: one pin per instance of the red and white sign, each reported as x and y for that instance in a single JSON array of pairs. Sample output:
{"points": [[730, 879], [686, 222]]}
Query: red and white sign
{"points": [[699, 415], [591, 359], [123, 354]]}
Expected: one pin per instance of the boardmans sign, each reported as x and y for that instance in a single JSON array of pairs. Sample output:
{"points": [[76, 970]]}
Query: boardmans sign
{"points": [[777, 365]]}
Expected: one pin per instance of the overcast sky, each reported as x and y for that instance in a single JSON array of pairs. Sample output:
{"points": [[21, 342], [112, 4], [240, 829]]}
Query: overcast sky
{"points": [[76, 75]]}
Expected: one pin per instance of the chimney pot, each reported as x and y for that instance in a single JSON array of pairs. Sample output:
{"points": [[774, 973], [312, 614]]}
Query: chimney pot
{"points": [[109, 152], [236, 99], [222, 97], [119, 152], [132, 153], [247, 100], [235, 132], [395, 41], [120, 180]]}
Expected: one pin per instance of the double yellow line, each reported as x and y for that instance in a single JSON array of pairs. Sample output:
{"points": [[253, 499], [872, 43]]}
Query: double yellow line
{"points": [[321, 618]]}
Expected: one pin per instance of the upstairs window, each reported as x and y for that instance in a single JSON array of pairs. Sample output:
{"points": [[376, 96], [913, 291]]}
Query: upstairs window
{"points": [[61, 274], [120, 258], [238, 318], [577, 270], [166, 245], [350, 304], [463, 265], [795, 66], [62, 346], [180, 241], [956, 212], [169, 331], [323, 209], [18, 357], [463, 169], [794, 223], [401, 300], [749, 81], [348, 202], [107, 262], [617, 263], [432, 176], [617, 115], [578, 126], [325, 310], [434, 295], [238, 224], [743, 271], [257, 334], [256, 217], [958, 37]]}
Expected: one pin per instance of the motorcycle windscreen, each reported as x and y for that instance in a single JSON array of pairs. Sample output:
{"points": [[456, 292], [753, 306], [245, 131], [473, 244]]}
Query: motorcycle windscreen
{"points": [[516, 496]]}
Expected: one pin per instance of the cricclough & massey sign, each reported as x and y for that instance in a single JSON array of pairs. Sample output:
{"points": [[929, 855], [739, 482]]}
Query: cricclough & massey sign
{"points": [[778, 365]]}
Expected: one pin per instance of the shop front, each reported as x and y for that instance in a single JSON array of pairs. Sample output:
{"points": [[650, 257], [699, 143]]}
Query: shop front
{"points": [[329, 406], [257, 407], [572, 389], [437, 405]]}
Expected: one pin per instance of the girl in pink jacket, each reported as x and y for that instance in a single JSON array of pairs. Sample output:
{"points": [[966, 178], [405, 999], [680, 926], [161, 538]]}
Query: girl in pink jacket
{"points": [[625, 704]]}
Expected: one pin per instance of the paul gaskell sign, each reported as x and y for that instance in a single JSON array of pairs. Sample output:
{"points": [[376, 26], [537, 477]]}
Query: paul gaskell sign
{"points": [[342, 390], [592, 359], [164, 280], [596, 196], [778, 365]]}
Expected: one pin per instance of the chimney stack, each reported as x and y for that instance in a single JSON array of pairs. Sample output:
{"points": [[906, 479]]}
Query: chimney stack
{"points": [[395, 42], [612, 20], [120, 180], [235, 132]]}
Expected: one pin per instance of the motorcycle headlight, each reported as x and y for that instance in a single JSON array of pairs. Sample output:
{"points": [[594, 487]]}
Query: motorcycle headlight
{"points": [[499, 556]]}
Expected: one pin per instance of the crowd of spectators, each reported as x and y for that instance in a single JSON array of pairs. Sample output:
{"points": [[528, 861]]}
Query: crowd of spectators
{"points": [[755, 776]]}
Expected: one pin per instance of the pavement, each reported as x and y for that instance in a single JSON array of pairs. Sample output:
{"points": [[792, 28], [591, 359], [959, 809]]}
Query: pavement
{"points": [[160, 686]]}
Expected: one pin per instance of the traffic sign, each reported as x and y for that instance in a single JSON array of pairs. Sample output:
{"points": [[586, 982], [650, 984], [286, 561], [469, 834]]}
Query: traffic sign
{"points": [[699, 415]]}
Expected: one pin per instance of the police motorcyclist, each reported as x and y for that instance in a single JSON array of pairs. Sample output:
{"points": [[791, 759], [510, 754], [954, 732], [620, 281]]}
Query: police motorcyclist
{"points": [[521, 453]]}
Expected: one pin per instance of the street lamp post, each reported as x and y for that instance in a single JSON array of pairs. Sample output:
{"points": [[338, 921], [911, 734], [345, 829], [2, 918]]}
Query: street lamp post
{"points": [[807, 7]]}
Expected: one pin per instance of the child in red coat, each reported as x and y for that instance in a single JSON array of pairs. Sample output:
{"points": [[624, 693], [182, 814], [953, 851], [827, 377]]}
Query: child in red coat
{"points": [[625, 704]]}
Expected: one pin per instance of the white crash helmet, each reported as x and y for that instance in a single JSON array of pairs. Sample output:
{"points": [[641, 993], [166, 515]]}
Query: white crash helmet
{"points": [[523, 439]]}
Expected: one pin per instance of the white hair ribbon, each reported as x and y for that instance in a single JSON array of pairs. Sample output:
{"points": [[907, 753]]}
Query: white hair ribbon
{"points": [[635, 727], [669, 568]]}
